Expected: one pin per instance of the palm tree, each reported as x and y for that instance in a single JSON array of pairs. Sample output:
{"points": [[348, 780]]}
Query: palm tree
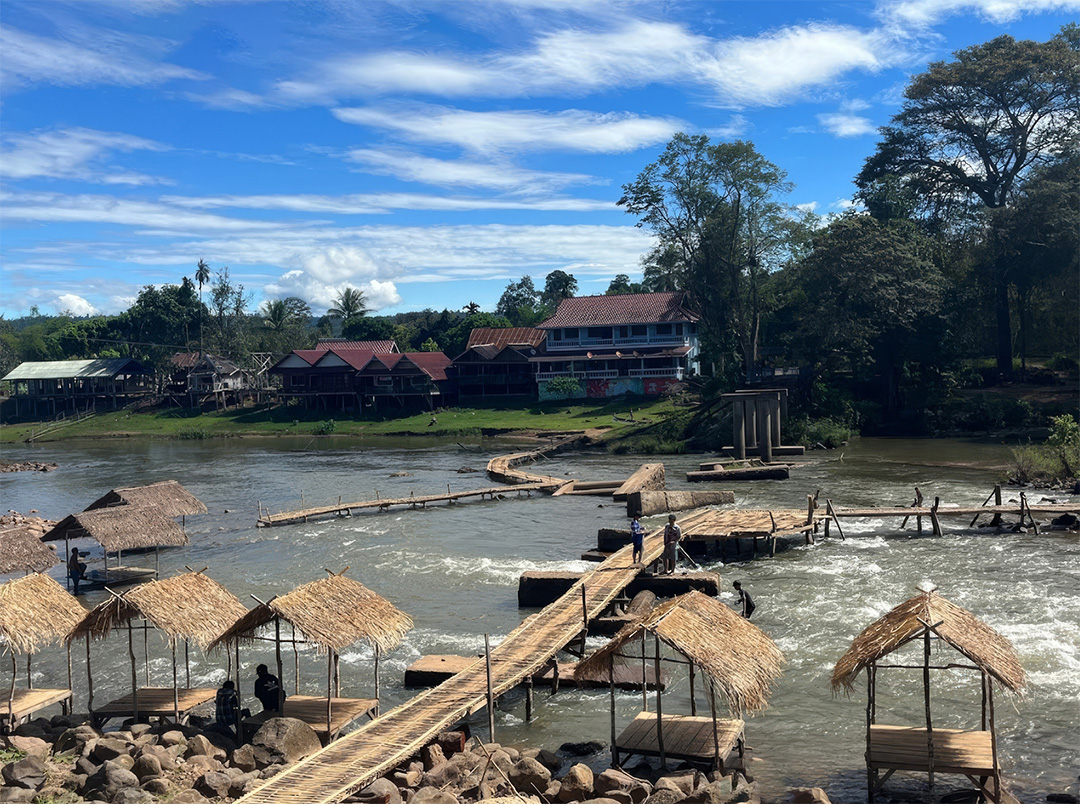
{"points": [[202, 276], [350, 305], [276, 316], [471, 308]]}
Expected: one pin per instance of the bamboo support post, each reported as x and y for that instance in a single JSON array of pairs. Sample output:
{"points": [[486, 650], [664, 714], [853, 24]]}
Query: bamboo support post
{"points": [[134, 675], [280, 670], [934, 517], [490, 691], [611, 693], [644, 686], [528, 699], [329, 696], [659, 708], [89, 679], [376, 680], [11, 692], [993, 739], [715, 728], [693, 700], [996, 521], [926, 702], [146, 653], [187, 666], [175, 690]]}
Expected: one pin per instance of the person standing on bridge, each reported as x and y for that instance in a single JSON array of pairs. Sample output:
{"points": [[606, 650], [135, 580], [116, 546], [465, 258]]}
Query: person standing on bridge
{"points": [[637, 534], [672, 537]]}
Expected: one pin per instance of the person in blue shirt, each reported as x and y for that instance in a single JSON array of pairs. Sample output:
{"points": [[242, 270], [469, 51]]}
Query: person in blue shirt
{"points": [[637, 533]]}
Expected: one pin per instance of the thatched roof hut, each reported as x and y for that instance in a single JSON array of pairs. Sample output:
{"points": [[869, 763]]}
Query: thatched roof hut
{"points": [[34, 611], [330, 613], [742, 661], [189, 607], [985, 647], [125, 527], [168, 498], [21, 550]]}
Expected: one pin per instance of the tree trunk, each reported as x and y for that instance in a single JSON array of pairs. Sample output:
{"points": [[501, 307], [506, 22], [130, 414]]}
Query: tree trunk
{"points": [[1004, 329]]}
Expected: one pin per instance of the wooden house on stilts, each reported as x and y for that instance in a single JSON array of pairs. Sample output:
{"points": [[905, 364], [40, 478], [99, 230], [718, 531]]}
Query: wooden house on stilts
{"points": [[330, 614], [34, 612], [924, 622], [737, 661], [188, 608]]}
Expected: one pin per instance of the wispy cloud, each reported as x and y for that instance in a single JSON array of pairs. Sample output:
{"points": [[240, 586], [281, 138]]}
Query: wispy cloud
{"points": [[73, 153], [926, 13], [488, 132], [495, 175], [841, 124], [73, 304], [384, 203], [83, 58]]}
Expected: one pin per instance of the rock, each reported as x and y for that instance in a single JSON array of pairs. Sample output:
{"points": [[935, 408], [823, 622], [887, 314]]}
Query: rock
{"points": [[110, 779], [1062, 798], [529, 776], [583, 749], [551, 793], [272, 770], [146, 766], [74, 739], [200, 745], [577, 784], [411, 778], [808, 795], [188, 797], [16, 794], [432, 755], [665, 795], [139, 729], [381, 791], [600, 801], [199, 764], [213, 784], [107, 748], [432, 795], [281, 740], [125, 761], [158, 786], [173, 737], [244, 758], [512, 800], [451, 742], [84, 765], [611, 781], [550, 760], [31, 746], [28, 773], [133, 795], [244, 783], [712, 793], [159, 752]]}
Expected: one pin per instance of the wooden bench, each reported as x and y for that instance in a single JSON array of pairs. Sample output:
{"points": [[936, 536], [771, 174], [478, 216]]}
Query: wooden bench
{"points": [[25, 702], [155, 702], [956, 751], [686, 737]]}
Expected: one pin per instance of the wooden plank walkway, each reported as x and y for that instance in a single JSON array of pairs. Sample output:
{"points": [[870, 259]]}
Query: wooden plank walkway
{"points": [[503, 467], [346, 509], [648, 477], [970, 510], [357, 759], [955, 750]]}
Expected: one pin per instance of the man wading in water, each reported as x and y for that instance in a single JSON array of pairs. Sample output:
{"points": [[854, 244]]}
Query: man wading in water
{"points": [[746, 603], [672, 537]]}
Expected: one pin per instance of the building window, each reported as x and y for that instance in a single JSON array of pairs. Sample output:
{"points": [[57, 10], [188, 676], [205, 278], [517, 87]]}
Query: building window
{"points": [[678, 329], [663, 329], [624, 332], [639, 330], [599, 332], [570, 333]]}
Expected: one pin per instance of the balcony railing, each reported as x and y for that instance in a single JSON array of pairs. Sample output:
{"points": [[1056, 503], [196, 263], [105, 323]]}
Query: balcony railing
{"points": [[581, 375], [632, 340], [657, 372]]}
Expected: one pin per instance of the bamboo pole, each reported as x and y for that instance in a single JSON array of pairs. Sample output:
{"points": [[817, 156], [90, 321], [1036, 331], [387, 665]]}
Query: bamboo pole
{"points": [[611, 693], [89, 680], [329, 699], [146, 653], [175, 691], [134, 675], [29, 673], [296, 659], [490, 692], [11, 692], [644, 686], [715, 727], [982, 679], [187, 664], [277, 657], [871, 774], [693, 701], [337, 675], [377, 705], [993, 739], [659, 708], [926, 702]]}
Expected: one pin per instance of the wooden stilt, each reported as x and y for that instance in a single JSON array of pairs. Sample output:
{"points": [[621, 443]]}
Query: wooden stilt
{"points": [[693, 700], [175, 690], [376, 680], [134, 675], [611, 693], [659, 708], [277, 657], [528, 699], [644, 686], [329, 695], [715, 729], [926, 702], [490, 691], [187, 666], [871, 774], [993, 739]]}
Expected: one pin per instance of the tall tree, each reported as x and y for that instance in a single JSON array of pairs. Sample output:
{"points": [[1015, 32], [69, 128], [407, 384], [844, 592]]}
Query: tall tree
{"points": [[558, 285], [349, 305], [471, 308], [970, 130], [519, 302], [202, 276]]}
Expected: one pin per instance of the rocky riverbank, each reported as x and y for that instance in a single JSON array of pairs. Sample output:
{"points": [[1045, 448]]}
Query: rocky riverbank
{"points": [[35, 524], [65, 760], [26, 466]]}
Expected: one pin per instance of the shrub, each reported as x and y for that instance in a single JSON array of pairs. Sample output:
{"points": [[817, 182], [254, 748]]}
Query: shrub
{"points": [[1055, 461], [1063, 362], [193, 434], [324, 428], [827, 432]]}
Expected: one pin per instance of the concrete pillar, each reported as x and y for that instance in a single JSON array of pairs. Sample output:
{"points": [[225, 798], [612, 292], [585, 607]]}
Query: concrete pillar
{"points": [[738, 428], [750, 422], [774, 416], [764, 429]]}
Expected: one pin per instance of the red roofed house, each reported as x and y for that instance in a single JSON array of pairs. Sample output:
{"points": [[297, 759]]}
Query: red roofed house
{"points": [[341, 376], [495, 364], [639, 343]]}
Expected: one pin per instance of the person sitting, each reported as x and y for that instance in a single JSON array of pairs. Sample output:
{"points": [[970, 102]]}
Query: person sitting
{"points": [[267, 689], [226, 706], [76, 569]]}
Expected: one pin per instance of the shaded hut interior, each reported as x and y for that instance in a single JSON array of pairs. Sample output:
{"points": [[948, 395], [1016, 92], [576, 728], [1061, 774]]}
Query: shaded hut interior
{"points": [[329, 614], [909, 638], [737, 665], [186, 609], [35, 611]]}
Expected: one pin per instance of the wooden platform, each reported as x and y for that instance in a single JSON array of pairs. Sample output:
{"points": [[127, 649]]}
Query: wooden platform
{"points": [[116, 576], [955, 750], [429, 671], [769, 472], [647, 477], [154, 702], [504, 467], [686, 737], [750, 523], [25, 703], [312, 710], [360, 757]]}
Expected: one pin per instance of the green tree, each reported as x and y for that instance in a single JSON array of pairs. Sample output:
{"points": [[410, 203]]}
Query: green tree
{"points": [[558, 285], [519, 303], [566, 386], [471, 308], [228, 306], [351, 303], [370, 328], [286, 319], [202, 277], [619, 286], [429, 346], [970, 130], [457, 337]]}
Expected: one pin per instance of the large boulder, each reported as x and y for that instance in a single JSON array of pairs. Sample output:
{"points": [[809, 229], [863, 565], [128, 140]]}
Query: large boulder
{"points": [[74, 739], [281, 740], [28, 773], [381, 791], [31, 746], [201, 746], [214, 784], [146, 766], [164, 758], [133, 795], [712, 793], [432, 795], [808, 795], [159, 786], [528, 776], [613, 781], [243, 783], [16, 795], [665, 795], [107, 748], [110, 779], [432, 755], [244, 758], [188, 797], [583, 749], [577, 784]]}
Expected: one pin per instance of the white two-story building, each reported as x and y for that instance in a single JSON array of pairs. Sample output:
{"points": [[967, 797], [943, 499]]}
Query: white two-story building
{"points": [[640, 343]]}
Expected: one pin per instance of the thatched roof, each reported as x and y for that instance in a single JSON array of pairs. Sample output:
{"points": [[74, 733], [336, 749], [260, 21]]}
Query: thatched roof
{"points": [[125, 527], [22, 550], [168, 498], [331, 613], [34, 611], [980, 643], [189, 606], [739, 657]]}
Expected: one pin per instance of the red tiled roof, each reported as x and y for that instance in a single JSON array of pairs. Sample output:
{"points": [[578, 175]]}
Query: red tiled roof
{"points": [[433, 364], [631, 308], [378, 347], [511, 336], [309, 355], [356, 358], [184, 359]]}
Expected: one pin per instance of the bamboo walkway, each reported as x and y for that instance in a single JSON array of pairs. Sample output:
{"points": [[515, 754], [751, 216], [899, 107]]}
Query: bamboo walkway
{"points": [[503, 467], [357, 759]]}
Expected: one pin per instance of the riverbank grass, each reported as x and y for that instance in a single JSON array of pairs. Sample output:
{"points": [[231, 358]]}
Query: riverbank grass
{"points": [[292, 421]]}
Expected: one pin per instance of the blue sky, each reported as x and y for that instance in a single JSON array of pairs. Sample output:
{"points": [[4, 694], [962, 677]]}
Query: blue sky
{"points": [[426, 151]]}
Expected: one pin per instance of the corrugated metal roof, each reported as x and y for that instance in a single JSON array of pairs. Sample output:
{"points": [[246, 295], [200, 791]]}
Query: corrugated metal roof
{"points": [[631, 308], [75, 369], [512, 336]]}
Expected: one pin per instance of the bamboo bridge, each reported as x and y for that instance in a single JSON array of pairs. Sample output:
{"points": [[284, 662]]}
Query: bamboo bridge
{"points": [[357, 759]]}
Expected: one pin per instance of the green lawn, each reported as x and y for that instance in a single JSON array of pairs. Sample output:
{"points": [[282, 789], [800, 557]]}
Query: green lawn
{"points": [[175, 423]]}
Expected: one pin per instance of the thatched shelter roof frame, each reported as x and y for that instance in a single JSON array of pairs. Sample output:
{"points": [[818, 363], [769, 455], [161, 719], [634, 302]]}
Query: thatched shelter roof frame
{"points": [[168, 497], [21, 550], [120, 528]]}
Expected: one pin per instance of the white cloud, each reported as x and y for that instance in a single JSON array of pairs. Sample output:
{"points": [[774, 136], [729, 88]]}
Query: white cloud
{"points": [[486, 132], [70, 303], [230, 99], [83, 58], [325, 272], [501, 175], [736, 126], [73, 153], [808, 206], [383, 203], [925, 13], [844, 204], [840, 124]]}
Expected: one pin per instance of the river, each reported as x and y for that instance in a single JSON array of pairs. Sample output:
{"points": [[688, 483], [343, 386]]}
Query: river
{"points": [[455, 570]]}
